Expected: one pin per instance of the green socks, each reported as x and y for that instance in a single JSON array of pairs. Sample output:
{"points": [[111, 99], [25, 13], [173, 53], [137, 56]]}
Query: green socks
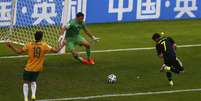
{"points": [[88, 51], [80, 59]]}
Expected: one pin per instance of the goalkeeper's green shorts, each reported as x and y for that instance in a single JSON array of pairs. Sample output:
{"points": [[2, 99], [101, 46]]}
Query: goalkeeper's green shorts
{"points": [[73, 41]]}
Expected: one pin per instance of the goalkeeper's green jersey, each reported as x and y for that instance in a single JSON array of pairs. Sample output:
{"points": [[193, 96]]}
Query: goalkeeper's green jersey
{"points": [[73, 28]]}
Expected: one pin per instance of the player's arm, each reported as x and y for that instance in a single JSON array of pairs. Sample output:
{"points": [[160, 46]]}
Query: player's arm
{"points": [[174, 43], [15, 49], [174, 46], [63, 29], [159, 51], [62, 36], [56, 50], [86, 31], [160, 55]]}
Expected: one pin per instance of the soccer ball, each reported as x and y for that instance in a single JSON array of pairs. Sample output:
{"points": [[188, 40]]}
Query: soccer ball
{"points": [[111, 78]]}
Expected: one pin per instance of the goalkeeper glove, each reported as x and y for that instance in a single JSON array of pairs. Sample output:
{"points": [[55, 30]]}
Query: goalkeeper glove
{"points": [[95, 39], [61, 40]]}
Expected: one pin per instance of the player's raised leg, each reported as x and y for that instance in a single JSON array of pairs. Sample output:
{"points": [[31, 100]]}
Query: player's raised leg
{"points": [[168, 70], [179, 65], [71, 43]]}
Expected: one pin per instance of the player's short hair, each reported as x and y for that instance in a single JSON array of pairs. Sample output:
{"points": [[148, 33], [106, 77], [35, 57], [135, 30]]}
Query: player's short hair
{"points": [[38, 36], [80, 14], [156, 36]]}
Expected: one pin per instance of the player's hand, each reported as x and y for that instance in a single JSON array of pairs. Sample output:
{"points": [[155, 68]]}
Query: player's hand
{"points": [[63, 43], [95, 39], [61, 38], [60, 41], [161, 56]]}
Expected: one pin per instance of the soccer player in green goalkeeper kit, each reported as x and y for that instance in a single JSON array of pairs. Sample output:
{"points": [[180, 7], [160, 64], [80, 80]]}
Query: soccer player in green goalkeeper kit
{"points": [[73, 38]]}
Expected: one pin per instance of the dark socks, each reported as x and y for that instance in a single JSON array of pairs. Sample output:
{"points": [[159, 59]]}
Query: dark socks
{"points": [[169, 76]]}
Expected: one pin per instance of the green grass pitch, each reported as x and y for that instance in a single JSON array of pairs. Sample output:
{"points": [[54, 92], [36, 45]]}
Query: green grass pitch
{"points": [[64, 77]]}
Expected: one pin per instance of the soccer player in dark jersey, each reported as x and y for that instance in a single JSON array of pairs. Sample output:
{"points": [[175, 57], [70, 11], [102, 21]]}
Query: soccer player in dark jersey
{"points": [[166, 49]]}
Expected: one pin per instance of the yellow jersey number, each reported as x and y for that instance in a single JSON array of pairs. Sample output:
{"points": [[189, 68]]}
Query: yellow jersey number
{"points": [[37, 51], [164, 45]]}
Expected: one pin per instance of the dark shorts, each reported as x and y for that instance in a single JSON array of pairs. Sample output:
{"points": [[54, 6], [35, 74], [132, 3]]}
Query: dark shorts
{"points": [[30, 76], [175, 63]]}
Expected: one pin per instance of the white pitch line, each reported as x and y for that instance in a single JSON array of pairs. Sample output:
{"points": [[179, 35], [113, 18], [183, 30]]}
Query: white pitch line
{"points": [[123, 95], [109, 50]]}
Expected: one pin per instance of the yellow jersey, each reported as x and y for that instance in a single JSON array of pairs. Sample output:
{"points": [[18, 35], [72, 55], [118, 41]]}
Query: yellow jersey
{"points": [[36, 55]]}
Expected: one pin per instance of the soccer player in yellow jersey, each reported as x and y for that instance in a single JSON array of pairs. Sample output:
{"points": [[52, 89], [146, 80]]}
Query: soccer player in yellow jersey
{"points": [[36, 55]]}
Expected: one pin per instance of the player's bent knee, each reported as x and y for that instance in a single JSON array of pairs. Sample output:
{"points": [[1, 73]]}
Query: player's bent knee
{"points": [[87, 46], [75, 54]]}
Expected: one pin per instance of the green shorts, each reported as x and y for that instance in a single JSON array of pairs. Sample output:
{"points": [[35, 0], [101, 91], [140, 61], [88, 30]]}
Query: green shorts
{"points": [[73, 41], [30, 76]]}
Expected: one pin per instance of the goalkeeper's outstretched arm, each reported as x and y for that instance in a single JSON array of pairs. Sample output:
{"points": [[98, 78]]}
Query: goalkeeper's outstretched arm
{"points": [[62, 35], [86, 31], [63, 29], [90, 35]]}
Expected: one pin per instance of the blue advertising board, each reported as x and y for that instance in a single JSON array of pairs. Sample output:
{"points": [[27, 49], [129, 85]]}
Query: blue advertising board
{"points": [[120, 10], [51, 12], [34, 12]]}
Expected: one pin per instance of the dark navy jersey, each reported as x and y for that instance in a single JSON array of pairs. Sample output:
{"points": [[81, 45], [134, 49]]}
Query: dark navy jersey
{"points": [[165, 47]]}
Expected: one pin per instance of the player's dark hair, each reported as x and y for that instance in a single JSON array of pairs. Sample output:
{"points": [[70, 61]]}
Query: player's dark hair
{"points": [[156, 36], [80, 14], [38, 36]]}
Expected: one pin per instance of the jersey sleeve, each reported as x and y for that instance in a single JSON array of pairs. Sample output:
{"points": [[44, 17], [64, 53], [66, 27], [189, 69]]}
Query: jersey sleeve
{"points": [[25, 47], [158, 49], [47, 48], [83, 26], [69, 25], [171, 40]]}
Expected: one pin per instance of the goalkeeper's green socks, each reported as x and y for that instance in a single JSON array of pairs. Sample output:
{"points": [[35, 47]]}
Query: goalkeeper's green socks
{"points": [[81, 60], [90, 60], [88, 51]]}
